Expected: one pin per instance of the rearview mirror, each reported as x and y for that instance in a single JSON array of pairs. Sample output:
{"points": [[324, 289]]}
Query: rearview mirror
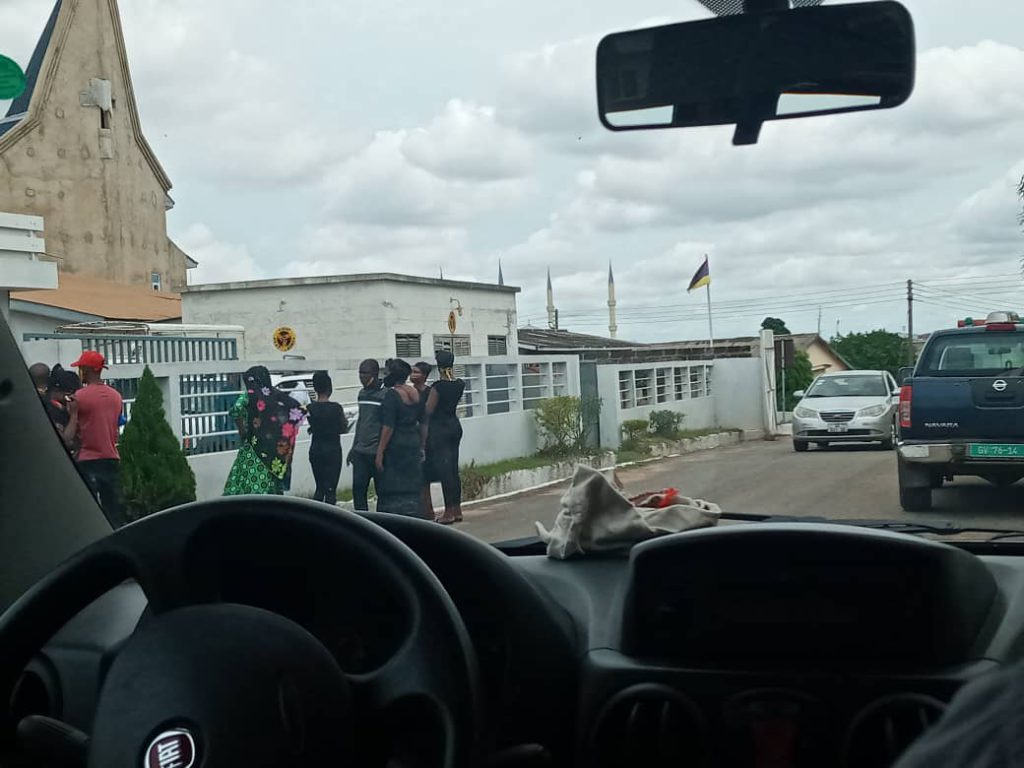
{"points": [[744, 69], [904, 373], [799, 394]]}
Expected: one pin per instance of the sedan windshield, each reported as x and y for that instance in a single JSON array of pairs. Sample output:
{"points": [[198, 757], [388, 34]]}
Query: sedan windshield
{"points": [[848, 386]]}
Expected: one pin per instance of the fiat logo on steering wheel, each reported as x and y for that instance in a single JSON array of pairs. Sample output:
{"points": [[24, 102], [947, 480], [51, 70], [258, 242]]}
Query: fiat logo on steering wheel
{"points": [[171, 749]]}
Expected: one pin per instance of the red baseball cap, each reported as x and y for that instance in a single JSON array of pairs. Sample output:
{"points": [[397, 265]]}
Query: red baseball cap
{"points": [[90, 358]]}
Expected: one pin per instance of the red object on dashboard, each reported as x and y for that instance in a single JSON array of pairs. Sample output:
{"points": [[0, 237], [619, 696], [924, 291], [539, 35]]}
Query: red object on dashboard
{"points": [[656, 499]]}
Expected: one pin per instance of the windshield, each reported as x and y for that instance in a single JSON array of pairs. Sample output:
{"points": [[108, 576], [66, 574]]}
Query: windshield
{"points": [[389, 258], [848, 386], [984, 354]]}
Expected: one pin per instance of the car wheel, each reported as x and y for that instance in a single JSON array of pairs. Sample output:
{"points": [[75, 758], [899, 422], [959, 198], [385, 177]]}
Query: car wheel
{"points": [[890, 442], [800, 446], [937, 480]]}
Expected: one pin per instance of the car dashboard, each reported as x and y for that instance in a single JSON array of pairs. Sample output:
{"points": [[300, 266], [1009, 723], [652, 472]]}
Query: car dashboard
{"points": [[746, 645]]}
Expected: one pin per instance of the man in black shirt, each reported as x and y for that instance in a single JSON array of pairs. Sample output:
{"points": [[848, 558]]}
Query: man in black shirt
{"points": [[367, 437]]}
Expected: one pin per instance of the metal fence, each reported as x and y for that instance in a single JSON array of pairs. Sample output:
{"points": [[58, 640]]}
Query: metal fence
{"points": [[129, 350]]}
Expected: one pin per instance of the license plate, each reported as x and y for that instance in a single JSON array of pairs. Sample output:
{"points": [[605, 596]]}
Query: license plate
{"points": [[995, 451], [838, 427]]}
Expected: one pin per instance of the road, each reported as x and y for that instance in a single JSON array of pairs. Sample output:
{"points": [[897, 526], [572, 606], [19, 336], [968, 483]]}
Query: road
{"points": [[853, 482]]}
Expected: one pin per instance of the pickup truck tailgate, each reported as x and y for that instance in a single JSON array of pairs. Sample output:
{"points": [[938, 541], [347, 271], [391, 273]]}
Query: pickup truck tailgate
{"points": [[973, 407]]}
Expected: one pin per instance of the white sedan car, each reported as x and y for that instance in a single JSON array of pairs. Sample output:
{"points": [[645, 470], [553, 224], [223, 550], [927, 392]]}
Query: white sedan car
{"points": [[853, 406]]}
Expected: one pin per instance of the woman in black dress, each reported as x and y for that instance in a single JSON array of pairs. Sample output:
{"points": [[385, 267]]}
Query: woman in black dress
{"points": [[418, 378], [445, 435], [402, 436], [327, 423]]}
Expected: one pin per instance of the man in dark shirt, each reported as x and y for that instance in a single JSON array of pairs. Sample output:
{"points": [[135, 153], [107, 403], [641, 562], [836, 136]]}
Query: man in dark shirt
{"points": [[40, 373], [363, 453]]}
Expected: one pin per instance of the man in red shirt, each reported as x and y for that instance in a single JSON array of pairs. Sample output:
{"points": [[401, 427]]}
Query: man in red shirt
{"points": [[99, 410]]}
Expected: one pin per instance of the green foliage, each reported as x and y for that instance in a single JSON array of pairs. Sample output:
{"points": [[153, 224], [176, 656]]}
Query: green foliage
{"points": [[666, 423], [633, 433], [563, 424], [775, 324], [473, 481], [799, 376], [876, 350], [155, 474]]}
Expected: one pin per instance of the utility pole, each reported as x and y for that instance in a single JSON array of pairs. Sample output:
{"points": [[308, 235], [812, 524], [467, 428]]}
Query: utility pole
{"points": [[910, 322], [819, 319]]}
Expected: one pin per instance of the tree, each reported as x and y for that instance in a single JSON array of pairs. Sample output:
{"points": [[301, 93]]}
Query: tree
{"points": [[798, 376], [775, 324], [155, 474], [879, 350]]}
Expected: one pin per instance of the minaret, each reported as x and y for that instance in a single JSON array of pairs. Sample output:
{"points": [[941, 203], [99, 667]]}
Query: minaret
{"points": [[613, 328], [552, 316], [501, 277]]}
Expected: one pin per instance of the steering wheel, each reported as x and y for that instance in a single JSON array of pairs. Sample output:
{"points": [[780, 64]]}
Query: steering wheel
{"points": [[203, 682]]}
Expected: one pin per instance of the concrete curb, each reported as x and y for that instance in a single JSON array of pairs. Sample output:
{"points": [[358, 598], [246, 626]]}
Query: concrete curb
{"points": [[523, 480]]}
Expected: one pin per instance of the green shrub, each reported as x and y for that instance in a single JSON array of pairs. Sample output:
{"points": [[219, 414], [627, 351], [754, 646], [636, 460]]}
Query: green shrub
{"points": [[563, 424], [155, 474], [634, 430], [473, 481], [666, 423]]}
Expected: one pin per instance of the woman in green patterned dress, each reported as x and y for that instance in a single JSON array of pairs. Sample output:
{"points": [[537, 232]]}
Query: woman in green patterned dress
{"points": [[268, 422]]}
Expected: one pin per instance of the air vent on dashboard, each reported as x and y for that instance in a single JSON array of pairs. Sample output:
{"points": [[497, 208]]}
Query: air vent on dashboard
{"points": [[883, 730], [650, 726]]}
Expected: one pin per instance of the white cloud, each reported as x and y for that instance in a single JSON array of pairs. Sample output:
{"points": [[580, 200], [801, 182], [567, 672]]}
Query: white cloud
{"points": [[359, 248], [379, 185], [466, 142], [219, 261]]}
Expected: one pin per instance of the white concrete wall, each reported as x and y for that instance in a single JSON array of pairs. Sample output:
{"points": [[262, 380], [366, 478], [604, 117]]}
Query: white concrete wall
{"points": [[737, 384], [354, 320], [700, 412]]}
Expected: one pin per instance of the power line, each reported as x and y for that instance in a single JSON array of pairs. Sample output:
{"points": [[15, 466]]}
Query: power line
{"points": [[683, 310]]}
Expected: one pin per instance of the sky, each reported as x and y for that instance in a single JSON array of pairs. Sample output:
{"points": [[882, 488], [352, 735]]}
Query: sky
{"points": [[405, 136]]}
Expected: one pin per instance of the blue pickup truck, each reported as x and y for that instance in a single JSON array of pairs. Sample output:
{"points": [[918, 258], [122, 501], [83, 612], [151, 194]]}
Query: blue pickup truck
{"points": [[961, 411]]}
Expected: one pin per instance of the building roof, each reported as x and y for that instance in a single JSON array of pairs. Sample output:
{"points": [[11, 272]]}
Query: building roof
{"points": [[105, 299], [565, 341], [373, 277], [19, 107]]}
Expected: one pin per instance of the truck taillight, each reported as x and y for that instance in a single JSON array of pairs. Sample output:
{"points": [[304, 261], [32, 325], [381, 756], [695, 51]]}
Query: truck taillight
{"points": [[906, 392]]}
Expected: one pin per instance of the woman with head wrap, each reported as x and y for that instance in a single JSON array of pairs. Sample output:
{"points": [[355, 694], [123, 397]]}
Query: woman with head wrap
{"points": [[268, 422], [402, 436], [444, 436], [62, 407], [327, 423]]}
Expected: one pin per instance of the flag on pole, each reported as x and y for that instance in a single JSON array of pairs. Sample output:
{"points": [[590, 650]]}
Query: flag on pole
{"points": [[701, 277]]}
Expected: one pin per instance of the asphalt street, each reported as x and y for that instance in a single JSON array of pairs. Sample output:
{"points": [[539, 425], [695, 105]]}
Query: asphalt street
{"points": [[853, 482]]}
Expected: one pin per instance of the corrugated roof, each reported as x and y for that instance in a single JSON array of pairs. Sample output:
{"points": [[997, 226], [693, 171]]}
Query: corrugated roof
{"points": [[106, 299], [549, 338], [20, 105]]}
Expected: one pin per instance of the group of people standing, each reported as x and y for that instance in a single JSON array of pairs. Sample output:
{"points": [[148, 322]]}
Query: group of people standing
{"points": [[87, 414], [407, 437]]}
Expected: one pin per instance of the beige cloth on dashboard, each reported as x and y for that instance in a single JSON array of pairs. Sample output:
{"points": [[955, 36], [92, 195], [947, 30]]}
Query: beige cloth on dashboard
{"points": [[596, 518]]}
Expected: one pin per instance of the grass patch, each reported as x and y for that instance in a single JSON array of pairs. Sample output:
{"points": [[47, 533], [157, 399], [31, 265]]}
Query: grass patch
{"points": [[639, 448]]}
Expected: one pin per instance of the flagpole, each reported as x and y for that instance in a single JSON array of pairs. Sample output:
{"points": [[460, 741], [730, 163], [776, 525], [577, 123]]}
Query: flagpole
{"points": [[711, 332]]}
